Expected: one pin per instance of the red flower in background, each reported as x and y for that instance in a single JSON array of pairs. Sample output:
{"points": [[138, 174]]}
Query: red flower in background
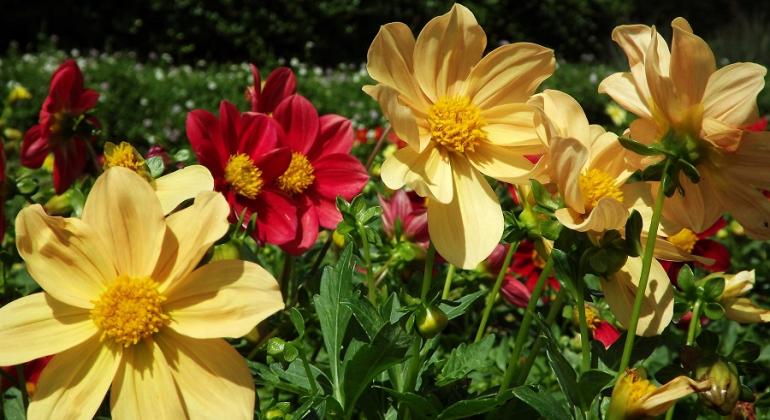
{"points": [[525, 269], [32, 371], [321, 168], [279, 85], [704, 247], [63, 127], [758, 125], [242, 153], [409, 210]]}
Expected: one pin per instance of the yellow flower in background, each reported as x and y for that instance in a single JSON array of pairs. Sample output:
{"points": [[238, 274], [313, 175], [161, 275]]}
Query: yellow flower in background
{"points": [[681, 93], [172, 189], [462, 117], [738, 307], [125, 308], [635, 397], [18, 93], [617, 114]]}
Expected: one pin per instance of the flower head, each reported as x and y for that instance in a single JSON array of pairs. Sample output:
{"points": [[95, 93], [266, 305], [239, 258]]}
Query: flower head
{"points": [[737, 306], [635, 397], [279, 85], [243, 154], [64, 127], [462, 116], [680, 95], [408, 211], [127, 307], [320, 170]]}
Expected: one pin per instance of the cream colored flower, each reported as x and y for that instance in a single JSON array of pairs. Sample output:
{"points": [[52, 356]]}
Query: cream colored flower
{"points": [[125, 307], [173, 188], [681, 93], [634, 397], [738, 307], [463, 117]]}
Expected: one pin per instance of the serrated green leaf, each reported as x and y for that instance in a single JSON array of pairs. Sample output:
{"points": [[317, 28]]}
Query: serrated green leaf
{"points": [[460, 306], [465, 359], [542, 402], [565, 374], [472, 407], [366, 315], [419, 407]]}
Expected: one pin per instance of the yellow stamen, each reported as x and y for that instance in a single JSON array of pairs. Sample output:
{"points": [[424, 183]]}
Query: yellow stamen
{"points": [[537, 261], [597, 184], [685, 240], [456, 124], [636, 386], [243, 175], [592, 317], [58, 123], [298, 176], [129, 310], [124, 155]]}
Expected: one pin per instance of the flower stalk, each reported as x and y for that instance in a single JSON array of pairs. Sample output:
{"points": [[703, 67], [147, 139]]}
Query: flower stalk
{"points": [[492, 297], [448, 281], [694, 322], [585, 345]]}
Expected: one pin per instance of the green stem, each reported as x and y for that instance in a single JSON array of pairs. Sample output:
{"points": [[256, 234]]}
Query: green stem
{"points": [[372, 295], [410, 376], [553, 312], [308, 372], [694, 322], [22, 383], [670, 412], [286, 286], [645, 275], [448, 282], [585, 345], [492, 296], [525, 325], [377, 147], [428, 273], [322, 254]]}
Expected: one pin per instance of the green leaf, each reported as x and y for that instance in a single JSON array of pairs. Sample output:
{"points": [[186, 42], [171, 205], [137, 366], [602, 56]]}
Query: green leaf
{"points": [[713, 288], [565, 375], [156, 166], [714, 311], [638, 148], [295, 374], [689, 170], [480, 405], [388, 348], [633, 232], [459, 306], [299, 322], [542, 196], [336, 286], [542, 402], [564, 270], [366, 315], [591, 383], [391, 309], [465, 359], [420, 408], [13, 407], [745, 351], [686, 280]]}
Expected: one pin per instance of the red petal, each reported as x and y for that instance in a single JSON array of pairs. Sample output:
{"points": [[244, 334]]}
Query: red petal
{"points": [[307, 230], [339, 175], [66, 85], [203, 133], [229, 126], [606, 334], [259, 137], [85, 101], [714, 250], [328, 214], [69, 163], [279, 85], [716, 227], [335, 136], [276, 218], [300, 123], [34, 148], [273, 164], [255, 90]]}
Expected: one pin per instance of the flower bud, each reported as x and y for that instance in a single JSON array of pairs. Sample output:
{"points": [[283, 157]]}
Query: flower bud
{"points": [[59, 205], [430, 321], [229, 250], [725, 386]]}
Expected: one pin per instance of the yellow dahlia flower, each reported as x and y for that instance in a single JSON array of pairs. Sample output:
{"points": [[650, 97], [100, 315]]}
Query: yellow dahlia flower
{"points": [[681, 93], [125, 308], [635, 397], [462, 117], [173, 188], [738, 307]]}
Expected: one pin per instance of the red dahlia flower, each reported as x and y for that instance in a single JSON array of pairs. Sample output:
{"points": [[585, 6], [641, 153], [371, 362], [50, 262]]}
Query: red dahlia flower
{"points": [[279, 85], [64, 128], [704, 247], [321, 168], [409, 210], [242, 153]]}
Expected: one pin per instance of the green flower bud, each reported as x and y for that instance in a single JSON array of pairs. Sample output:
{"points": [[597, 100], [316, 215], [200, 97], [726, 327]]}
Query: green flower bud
{"points": [[430, 321], [725, 386], [275, 346]]}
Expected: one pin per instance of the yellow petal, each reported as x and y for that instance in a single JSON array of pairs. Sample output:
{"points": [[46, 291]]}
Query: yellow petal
{"points": [[211, 377], [178, 186], [660, 84], [223, 299], [501, 163], [747, 205], [429, 172], [64, 256], [721, 134], [144, 387], [446, 50], [738, 284], [657, 402], [511, 73], [567, 158], [608, 214], [692, 62], [698, 209], [123, 210], [565, 115], [743, 310], [38, 325], [621, 87], [608, 155], [466, 230], [514, 125], [75, 382], [389, 61], [731, 93], [621, 288], [401, 117], [748, 164], [635, 41], [191, 232]]}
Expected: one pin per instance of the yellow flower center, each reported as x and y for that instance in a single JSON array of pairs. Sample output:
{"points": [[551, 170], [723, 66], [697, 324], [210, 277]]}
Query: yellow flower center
{"points": [[685, 240], [597, 184], [130, 310], [456, 124], [124, 155], [636, 386], [58, 122], [243, 175], [298, 176], [592, 317], [537, 261]]}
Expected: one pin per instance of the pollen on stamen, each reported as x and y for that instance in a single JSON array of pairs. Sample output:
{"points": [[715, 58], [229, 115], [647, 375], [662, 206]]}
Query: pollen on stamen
{"points": [[299, 176], [456, 124], [685, 240], [243, 176], [597, 184], [129, 310]]}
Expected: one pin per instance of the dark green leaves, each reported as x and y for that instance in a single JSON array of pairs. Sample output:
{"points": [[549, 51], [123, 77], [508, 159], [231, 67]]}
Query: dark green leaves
{"points": [[466, 358]]}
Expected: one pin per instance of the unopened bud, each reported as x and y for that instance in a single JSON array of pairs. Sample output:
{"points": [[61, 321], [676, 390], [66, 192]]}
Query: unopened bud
{"points": [[431, 321], [725, 386]]}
